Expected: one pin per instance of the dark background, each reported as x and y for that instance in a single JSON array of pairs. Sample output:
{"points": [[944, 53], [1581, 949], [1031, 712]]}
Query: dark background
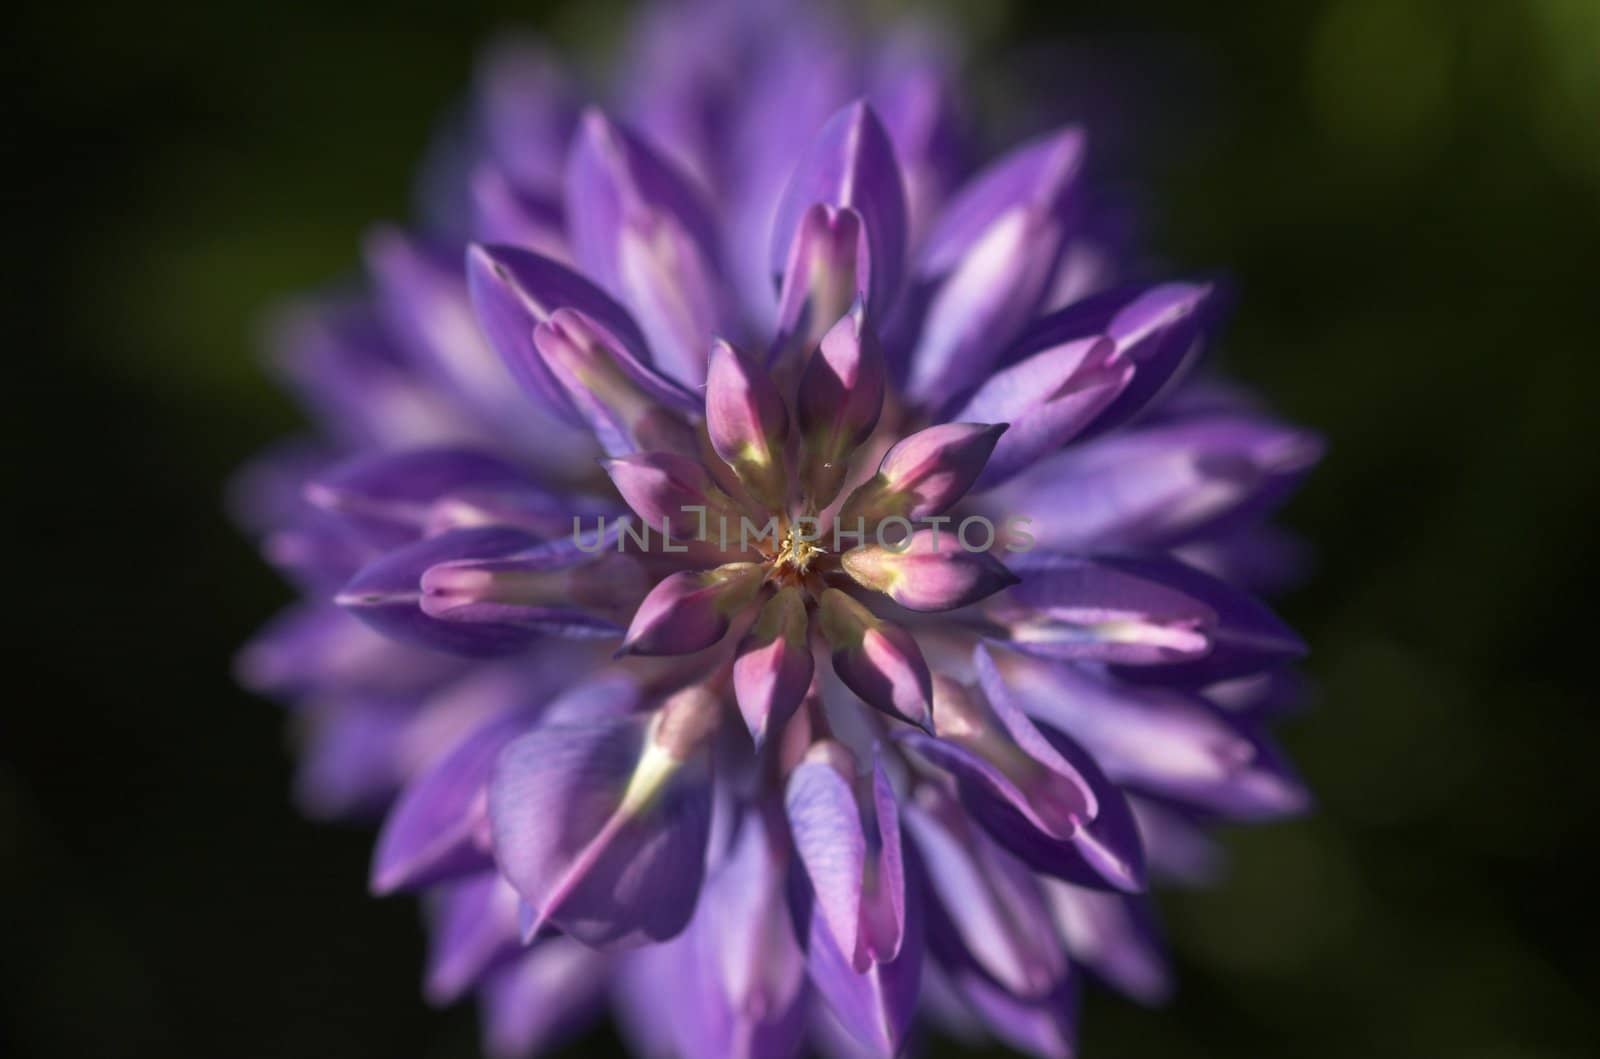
{"points": [[1406, 195]]}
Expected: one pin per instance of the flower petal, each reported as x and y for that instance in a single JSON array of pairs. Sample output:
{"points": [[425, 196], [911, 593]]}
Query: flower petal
{"points": [[1160, 485], [849, 842], [987, 908], [387, 593], [839, 401], [1114, 936], [851, 164], [928, 572], [390, 497], [513, 290], [642, 229], [690, 610], [1155, 739], [924, 474], [773, 670], [877, 660], [1048, 399], [747, 423], [602, 832], [473, 929], [874, 1007], [539, 1000]]}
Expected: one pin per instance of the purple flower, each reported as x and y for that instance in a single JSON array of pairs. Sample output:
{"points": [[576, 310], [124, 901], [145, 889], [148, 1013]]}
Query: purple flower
{"points": [[757, 575]]}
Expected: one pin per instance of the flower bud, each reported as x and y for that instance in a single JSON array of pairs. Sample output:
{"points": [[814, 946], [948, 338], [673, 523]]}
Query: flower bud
{"points": [[877, 660], [747, 424], [924, 474], [929, 572], [839, 401], [691, 610], [774, 666], [666, 489], [628, 405]]}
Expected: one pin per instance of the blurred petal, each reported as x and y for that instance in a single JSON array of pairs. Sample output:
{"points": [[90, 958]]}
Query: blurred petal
{"points": [[539, 1000], [1154, 739], [1160, 485], [389, 497], [642, 229], [472, 928], [1114, 936], [439, 828]]}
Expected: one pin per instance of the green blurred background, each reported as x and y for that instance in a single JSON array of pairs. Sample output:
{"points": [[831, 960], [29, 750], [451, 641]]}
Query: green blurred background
{"points": [[1406, 194]]}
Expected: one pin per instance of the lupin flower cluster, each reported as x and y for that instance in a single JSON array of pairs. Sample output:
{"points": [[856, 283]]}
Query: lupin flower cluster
{"points": [[772, 572]]}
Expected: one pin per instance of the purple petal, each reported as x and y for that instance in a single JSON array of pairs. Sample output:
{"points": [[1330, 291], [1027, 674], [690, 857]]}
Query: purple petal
{"points": [[984, 304], [1156, 330], [929, 572], [690, 610], [387, 593], [669, 492], [1041, 172], [1178, 848], [390, 497], [1046, 1028], [986, 901], [747, 423], [839, 401], [825, 274], [877, 660], [641, 228], [1247, 636], [874, 1007], [473, 929], [439, 828], [924, 474], [514, 290], [773, 670], [851, 164], [748, 995], [505, 215], [1114, 936], [1102, 610], [585, 848], [1161, 485], [343, 364], [1039, 795], [849, 843], [323, 649], [568, 587], [541, 999], [1155, 739], [627, 405], [1048, 399], [525, 111]]}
